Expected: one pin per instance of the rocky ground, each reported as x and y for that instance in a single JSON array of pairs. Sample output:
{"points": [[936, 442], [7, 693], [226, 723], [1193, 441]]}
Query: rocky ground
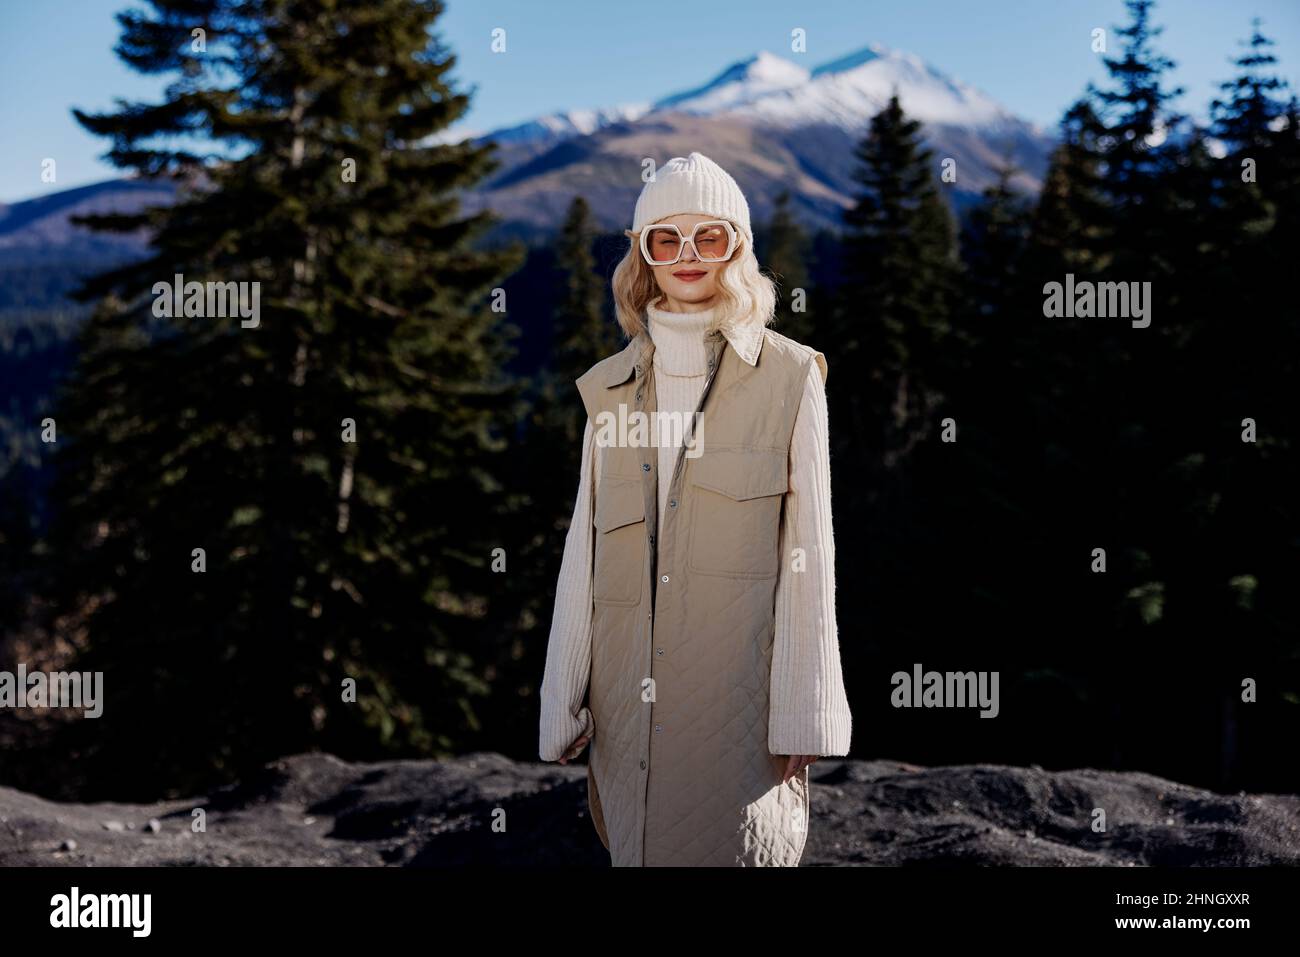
{"points": [[313, 809]]}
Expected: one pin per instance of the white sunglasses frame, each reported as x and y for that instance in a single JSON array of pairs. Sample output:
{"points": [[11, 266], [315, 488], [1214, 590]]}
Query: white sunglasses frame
{"points": [[731, 241]]}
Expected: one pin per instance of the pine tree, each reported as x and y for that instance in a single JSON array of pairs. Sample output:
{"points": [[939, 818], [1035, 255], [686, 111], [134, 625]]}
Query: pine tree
{"points": [[993, 243], [1243, 214], [338, 462], [1133, 127], [583, 331], [1115, 189], [899, 260], [1251, 104], [890, 329], [1244, 190], [1069, 223], [1251, 336], [994, 320], [784, 255]]}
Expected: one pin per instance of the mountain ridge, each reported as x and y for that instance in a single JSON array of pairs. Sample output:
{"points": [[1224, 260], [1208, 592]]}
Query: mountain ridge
{"points": [[771, 122], [762, 82]]}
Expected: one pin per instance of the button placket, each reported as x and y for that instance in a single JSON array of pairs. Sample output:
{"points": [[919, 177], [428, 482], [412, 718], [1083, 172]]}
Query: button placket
{"points": [[715, 350], [644, 368], [645, 397]]}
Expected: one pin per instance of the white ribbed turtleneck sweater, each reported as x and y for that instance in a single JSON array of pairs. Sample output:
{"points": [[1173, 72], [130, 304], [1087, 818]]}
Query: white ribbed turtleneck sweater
{"points": [[681, 364], [808, 707]]}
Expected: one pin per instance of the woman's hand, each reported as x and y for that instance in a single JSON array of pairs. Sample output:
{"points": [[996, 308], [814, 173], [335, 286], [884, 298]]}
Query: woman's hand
{"points": [[797, 763], [575, 749], [588, 725]]}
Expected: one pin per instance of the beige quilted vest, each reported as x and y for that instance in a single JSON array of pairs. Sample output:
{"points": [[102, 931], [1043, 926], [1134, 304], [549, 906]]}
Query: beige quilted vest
{"points": [[679, 770]]}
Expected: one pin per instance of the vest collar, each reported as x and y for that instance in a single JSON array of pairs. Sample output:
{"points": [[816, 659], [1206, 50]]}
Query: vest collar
{"points": [[746, 341]]}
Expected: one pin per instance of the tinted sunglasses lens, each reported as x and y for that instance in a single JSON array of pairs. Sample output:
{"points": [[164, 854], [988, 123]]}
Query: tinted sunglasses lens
{"points": [[712, 242], [663, 243]]}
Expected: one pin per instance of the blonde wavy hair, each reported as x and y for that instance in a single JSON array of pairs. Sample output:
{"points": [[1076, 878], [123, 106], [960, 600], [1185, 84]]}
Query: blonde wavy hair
{"points": [[745, 293]]}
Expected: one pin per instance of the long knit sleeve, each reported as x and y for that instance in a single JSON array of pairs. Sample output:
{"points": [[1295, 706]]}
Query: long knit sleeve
{"points": [[568, 651], [809, 711]]}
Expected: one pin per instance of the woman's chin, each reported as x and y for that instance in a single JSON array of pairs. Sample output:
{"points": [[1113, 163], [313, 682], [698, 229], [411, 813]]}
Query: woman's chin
{"points": [[691, 292]]}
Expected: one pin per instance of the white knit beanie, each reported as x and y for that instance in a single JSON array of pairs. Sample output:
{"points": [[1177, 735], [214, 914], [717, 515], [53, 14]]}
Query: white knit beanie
{"points": [[692, 184]]}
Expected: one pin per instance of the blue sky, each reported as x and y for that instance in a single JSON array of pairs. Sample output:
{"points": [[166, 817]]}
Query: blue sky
{"points": [[1031, 55]]}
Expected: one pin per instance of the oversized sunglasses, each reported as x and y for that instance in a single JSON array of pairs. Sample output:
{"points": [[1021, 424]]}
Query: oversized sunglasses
{"points": [[713, 242]]}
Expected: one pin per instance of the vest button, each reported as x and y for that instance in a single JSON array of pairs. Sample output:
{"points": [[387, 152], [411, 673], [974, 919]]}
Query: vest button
{"points": [[643, 765], [659, 652], [658, 728], [652, 539], [645, 466], [638, 396], [665, 578], [672, 503]]}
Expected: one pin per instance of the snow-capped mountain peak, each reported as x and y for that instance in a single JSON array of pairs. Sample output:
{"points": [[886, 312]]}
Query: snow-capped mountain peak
{"points": [[740, 83], [845, 92], [838, 98]]}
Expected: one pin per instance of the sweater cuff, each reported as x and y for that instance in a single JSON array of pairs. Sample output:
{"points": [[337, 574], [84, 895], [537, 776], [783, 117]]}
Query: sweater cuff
{"points": [[560, 731], [811, 732]]}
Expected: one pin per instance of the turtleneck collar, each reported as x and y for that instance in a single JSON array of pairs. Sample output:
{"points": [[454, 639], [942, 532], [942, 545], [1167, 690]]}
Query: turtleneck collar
{"points": [[680, 348]]}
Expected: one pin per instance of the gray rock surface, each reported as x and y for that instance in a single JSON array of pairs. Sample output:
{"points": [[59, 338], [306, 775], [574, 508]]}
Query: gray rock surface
{"points": [[314, 809]]}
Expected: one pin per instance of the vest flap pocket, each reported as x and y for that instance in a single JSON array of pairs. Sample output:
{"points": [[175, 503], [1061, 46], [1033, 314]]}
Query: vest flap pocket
{"points": [[743, 473], [619, 502]]}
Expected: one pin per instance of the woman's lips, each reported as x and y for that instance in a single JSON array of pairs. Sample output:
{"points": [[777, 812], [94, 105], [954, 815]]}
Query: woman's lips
{"points": [[689, 275]]}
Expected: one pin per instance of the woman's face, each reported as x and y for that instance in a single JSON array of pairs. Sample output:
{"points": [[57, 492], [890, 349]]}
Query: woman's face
{"points": [[689, 282]]}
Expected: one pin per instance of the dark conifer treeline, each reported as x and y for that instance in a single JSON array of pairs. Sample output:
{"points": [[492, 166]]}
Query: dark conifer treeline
{"points": [[1069, 435]]}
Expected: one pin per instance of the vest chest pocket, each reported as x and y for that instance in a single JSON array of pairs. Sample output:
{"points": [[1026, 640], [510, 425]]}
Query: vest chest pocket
{"points": [[736, 515], [620, 561]]}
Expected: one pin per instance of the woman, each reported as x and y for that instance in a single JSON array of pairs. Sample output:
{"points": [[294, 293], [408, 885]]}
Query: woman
{"points": [[696, 600]]}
